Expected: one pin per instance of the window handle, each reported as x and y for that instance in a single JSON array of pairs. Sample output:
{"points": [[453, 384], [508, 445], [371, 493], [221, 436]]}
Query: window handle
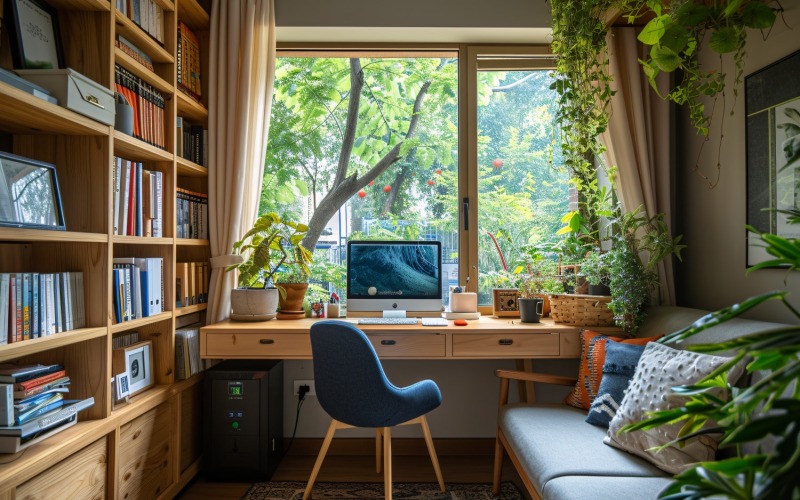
{"points": [[465, 205]]}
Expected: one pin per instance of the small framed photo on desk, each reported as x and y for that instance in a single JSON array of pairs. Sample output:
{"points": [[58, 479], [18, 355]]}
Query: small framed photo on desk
{"points": [[504, 302]]}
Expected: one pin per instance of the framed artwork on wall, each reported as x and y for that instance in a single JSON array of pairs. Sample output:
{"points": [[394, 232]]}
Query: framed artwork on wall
{"points": [[35, 38], [772, 110], [29, 195]]}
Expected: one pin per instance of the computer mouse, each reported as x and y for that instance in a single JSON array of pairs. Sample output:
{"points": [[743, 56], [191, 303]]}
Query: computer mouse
{"points": [[460, 322]]}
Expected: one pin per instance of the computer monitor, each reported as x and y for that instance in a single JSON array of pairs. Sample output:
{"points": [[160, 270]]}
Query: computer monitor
{"points": [[394, 275]]}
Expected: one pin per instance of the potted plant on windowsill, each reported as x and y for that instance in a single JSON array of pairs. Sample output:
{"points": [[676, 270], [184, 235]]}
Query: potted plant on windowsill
{"points": [[537, 279], [596, 268], [271, 243], [292, 282]]}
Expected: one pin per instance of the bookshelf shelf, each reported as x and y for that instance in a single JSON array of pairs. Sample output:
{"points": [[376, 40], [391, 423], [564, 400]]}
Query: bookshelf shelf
{"points": [[140, 240], [33, 346], [190, 168], [191, 242], [190, 12], [132, 148], [82, 5], [38, 235], [138, 323], [135, 34], [167, 5], [191, 109], [25, 114], [183, 311], [131, 64]]}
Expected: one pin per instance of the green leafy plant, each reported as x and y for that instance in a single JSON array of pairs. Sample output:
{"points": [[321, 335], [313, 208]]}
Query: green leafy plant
{"points": [[538, 276], [768, 407], [271, 247], [596, 267]]}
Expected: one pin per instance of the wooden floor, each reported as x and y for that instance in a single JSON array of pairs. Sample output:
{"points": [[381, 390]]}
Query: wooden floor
{"points": [[459, 464]]}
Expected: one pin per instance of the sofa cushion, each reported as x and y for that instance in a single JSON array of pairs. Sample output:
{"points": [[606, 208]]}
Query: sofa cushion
{"points": [[551, 441], [604, 488], [618, 369], [590, 371], [661, 368]]}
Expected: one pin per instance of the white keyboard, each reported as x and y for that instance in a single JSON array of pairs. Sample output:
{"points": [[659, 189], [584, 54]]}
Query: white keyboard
{"points": [[434, 322], [387, 321]]}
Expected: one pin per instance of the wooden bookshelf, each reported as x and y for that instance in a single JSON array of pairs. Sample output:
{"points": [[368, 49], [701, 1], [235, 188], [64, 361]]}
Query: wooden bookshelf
{"points": [[98, 456]]}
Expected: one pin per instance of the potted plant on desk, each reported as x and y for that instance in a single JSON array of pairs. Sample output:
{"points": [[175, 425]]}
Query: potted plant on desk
{"points": [[537, 279], [271, 243]]}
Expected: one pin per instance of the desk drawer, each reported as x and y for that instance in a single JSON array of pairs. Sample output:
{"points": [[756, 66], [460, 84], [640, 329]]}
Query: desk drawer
{"points": [[506, 344], [257, 344], [409, 345]]}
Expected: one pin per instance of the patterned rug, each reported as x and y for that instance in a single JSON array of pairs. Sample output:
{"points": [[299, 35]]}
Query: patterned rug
{"points": [[405, 491]]}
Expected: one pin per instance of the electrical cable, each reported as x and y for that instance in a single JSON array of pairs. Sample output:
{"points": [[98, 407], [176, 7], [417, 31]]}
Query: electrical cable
{"points": [[302, 394]]}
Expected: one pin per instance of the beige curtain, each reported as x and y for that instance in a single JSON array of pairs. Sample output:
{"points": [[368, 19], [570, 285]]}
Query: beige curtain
{"points": [[242, 69], [638, 141]]}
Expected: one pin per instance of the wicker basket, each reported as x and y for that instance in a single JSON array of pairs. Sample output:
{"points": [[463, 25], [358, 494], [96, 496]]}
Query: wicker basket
{"points": [[581, 310]]}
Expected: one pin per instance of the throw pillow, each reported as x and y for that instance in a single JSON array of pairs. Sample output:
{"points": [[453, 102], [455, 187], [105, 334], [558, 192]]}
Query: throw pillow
{"points": [[590, 372], [659, 369], [618, 369]]}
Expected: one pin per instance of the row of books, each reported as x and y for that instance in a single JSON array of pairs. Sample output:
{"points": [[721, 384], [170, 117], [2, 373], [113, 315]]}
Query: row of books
{"points": [[138, 287], [188, 62], [147, 14], [148, 106], [191, 142], [34, 305], [138, 195], [125, 339], [135, 52], [191, 283], [187, 352], [192, 214], [29, 391]]}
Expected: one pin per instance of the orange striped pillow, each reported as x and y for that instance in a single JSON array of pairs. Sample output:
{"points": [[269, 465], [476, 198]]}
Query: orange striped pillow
{"points": [[590, 372]]}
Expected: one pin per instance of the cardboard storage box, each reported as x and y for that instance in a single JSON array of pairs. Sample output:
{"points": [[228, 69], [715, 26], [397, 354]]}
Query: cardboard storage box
{"points": [[76, 92]]}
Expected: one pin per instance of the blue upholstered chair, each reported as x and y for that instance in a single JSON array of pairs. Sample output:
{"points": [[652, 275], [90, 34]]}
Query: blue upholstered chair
{"points": [[353, 389]]}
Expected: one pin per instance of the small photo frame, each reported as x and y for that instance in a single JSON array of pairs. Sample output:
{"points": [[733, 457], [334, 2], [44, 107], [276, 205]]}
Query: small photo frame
{"points": [[29, 195], [120, 390], [504, 302], [135, 363], [35, 38]]}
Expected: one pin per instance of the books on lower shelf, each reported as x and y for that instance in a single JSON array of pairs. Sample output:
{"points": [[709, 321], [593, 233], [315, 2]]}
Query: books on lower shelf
{"points": [[191, 283], [15, 438], [191, 214], [187, 352], [138, 199], [30, 391], [138, 287], [34, 305]]}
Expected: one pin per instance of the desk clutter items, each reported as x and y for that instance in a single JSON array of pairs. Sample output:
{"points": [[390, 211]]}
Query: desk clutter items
{"points": [[34, 404], [11, 78], [35, 305], [463, 305], [75, 92]]}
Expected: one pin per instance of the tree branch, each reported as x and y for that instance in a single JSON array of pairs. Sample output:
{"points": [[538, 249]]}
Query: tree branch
{"points": [[356, 83]]}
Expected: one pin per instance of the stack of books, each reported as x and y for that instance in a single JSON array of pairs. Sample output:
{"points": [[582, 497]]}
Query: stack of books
{"points": [[33, 404]]}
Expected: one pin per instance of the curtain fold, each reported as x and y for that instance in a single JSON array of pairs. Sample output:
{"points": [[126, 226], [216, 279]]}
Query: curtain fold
{"points": [[638, 141], [241, 69]]}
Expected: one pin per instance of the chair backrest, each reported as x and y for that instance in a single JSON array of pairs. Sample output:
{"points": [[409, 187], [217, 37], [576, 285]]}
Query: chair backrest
{"points": [[350, 382]]}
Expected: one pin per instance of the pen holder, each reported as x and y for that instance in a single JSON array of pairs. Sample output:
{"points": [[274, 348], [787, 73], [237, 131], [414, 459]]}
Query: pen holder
{"points": [[463, 302], [331, 310]]}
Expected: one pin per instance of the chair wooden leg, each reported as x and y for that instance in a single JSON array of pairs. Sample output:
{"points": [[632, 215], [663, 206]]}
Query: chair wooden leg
{"points": [[318, 464], [431, 450], [387, 463], [498, 464], [378, 451]]}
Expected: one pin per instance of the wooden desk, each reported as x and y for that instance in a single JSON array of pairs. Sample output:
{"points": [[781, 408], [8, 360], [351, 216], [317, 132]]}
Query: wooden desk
{"points": [[486, 338]]}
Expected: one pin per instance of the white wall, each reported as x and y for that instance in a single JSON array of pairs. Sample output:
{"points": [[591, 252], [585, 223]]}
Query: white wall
{"points": [[713, 220]]}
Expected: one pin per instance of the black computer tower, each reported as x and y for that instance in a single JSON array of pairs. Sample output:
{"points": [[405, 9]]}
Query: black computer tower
{"points": [[242, 420]]}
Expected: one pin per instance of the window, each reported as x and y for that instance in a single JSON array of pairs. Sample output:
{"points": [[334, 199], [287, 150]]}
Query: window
{"points": [[375, 145]]}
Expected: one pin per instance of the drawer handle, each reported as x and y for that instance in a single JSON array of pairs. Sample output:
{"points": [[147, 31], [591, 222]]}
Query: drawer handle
{"points": [[266, 341], [388, 342], [505, 341]]}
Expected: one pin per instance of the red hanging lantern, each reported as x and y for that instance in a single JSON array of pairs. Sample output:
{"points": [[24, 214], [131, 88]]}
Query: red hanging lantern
{"points": [[371, 183], [438, 171], [362, 193], [387, 188], [430, 182], [497, 163]]}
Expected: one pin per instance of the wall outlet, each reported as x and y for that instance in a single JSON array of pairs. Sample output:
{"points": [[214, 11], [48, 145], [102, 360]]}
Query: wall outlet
{"points": [[309, 383]]}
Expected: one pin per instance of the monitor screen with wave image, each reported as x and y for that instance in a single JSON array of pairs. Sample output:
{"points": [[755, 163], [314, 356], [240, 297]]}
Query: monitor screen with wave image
{"points": [[394, 276]]}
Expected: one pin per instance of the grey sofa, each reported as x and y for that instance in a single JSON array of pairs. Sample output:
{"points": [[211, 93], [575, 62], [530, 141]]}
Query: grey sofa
{"points": [[560, 456]]}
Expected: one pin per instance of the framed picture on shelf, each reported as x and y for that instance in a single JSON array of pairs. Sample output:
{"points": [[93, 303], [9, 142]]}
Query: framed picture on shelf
{"points": [[35, 39], [504, 302], [137, 362], [772, 110], [29, 195]]}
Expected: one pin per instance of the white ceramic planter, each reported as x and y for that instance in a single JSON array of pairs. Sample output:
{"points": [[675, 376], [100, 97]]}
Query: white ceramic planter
{"points": [[254, 304]]}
